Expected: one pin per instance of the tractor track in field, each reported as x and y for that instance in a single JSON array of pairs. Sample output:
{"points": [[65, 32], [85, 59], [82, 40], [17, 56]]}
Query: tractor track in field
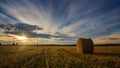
{"points": [[59, 59], [33, 61], [54, 59], [50, 59]]}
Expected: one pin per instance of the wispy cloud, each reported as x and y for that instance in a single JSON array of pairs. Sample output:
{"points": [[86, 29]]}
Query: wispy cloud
{"points": [[67, 19], [6, 19]]}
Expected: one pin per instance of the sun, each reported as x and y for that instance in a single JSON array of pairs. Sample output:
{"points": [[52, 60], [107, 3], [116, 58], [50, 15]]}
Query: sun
{"points": [[22, 38]]}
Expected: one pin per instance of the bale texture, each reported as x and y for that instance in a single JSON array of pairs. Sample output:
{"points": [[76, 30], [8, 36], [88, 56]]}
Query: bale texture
{"points": [[85, 46]]}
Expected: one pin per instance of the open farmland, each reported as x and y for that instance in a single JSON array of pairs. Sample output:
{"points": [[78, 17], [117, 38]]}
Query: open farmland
{"points": [[58, 57]]}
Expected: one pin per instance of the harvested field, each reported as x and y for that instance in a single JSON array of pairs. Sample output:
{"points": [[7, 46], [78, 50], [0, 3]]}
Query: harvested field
{"points": [[58, 57]]}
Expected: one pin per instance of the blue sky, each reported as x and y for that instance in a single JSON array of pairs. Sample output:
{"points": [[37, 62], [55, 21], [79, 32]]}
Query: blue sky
{"points": [[62, 21]]}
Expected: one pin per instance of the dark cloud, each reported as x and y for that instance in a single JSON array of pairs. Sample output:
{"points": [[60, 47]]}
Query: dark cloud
{"points": [[61, 35], [71, 39], [18, 27], [26, 29], [36, 35], [114, 38], [21, 28], [58, 34], [110, 38]]}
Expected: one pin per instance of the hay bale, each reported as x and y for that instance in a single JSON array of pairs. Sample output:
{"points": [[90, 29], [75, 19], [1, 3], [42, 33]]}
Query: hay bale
{"points": [[85, 46]]}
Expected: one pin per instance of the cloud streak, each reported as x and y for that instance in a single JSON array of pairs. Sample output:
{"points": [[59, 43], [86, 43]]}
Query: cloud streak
{"points": [[67, 19]]}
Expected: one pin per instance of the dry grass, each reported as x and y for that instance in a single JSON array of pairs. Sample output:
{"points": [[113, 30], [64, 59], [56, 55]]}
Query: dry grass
{"points": [[58, 57]]}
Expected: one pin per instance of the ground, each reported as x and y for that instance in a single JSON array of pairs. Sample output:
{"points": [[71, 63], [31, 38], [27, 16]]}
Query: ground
{"points": [[58, 57]]}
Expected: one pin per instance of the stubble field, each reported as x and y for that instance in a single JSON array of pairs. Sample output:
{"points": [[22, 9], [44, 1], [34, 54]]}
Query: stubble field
{"points": [[58, 57]]}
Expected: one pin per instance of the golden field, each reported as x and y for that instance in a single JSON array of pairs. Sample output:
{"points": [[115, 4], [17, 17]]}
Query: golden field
{"points": [[58, 57]]}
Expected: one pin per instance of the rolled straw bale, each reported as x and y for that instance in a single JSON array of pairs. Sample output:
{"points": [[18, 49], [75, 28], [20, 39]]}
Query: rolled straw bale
{"points": [[85, 46]]}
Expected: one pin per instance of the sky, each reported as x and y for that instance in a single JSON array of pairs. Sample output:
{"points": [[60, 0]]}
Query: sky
{"points": [[60, 21]]}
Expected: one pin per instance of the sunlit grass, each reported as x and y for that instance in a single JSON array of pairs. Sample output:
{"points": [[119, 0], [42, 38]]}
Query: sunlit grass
{"points": [[58, 57]]}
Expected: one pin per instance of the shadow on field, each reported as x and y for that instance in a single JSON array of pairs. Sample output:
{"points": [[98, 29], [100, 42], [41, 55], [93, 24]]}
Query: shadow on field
{"points": [[107, 54]]}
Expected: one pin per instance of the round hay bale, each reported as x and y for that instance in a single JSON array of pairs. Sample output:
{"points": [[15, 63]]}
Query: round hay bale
{"points": [[85, 46]]}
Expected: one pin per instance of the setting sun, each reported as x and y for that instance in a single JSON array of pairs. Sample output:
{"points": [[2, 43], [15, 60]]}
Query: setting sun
{"points": [[22, 38]]}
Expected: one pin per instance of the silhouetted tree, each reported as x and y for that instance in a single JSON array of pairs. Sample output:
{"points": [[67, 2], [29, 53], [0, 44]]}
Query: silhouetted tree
{"points": [[13, 44]]}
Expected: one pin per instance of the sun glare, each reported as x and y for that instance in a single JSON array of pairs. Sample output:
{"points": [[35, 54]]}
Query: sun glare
{"points": [[22, 38]]}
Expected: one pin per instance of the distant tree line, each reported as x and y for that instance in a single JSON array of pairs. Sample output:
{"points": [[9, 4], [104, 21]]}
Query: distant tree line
{"points": [[13, 44]]}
